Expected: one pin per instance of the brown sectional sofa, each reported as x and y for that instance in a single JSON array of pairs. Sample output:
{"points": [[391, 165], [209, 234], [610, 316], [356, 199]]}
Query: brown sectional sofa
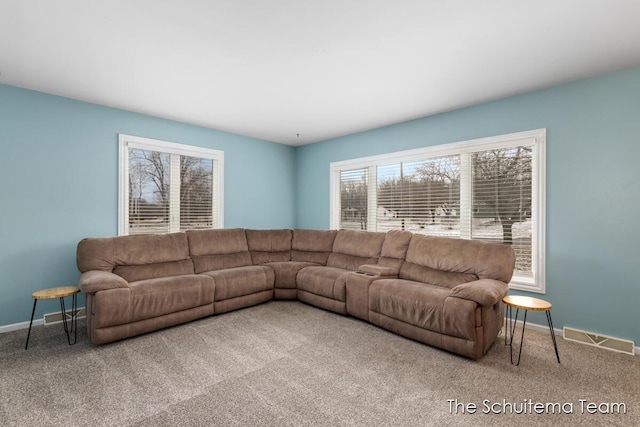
{"points": [[439, 291]]}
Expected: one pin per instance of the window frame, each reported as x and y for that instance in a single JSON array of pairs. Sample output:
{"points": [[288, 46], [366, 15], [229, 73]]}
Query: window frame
{"points": [[125, 142], [536, 139]]}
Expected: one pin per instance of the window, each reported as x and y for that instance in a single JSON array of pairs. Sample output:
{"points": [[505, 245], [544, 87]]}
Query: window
{"points": [[166, 187], [490, 189]]}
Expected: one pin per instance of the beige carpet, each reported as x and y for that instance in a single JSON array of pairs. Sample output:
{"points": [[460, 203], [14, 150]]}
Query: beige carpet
{"points": [[288, 364]]}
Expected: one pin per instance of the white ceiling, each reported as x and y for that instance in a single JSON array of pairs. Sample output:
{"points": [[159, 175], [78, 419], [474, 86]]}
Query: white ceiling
{"points": [[301, 71]]}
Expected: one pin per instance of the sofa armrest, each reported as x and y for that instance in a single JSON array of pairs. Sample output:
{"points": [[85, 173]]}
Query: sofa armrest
{"points": [[93, 281], [485, 292], [377, 270]]}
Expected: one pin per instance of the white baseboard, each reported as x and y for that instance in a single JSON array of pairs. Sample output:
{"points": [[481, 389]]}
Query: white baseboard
{"points": [[21, 325], [25, 325], [559, 332]]}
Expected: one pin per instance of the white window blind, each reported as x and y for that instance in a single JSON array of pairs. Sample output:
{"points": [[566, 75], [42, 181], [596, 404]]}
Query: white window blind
{"points": [[490, 189], [148, 197], [422, 195], [167, 187], [353, 199], [502, 201]]}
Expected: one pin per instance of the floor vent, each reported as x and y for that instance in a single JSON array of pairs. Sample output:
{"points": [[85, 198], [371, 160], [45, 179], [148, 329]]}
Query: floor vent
{"points": [[51, 318], [598, 340]]}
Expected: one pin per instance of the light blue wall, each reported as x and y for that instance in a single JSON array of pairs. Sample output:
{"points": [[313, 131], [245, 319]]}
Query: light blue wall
{"points": [[59, 179], [58, 184], [593, 188]]}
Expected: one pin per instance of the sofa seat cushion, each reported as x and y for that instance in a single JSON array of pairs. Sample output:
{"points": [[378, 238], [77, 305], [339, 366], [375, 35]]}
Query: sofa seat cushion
{"points": [[241, 281], [426, 306], [156, 297], [328, 282]]}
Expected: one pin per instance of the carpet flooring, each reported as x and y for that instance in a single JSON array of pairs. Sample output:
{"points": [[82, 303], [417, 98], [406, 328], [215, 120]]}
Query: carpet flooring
{"points": [[288, 364]]}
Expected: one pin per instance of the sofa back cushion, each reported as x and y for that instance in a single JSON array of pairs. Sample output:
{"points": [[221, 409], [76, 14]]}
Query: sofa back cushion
{"points": [[136, 257], [312, 245], [496, 261], [269, 245], [394, 249], [352, 249], [218, 249], [449, 262]]}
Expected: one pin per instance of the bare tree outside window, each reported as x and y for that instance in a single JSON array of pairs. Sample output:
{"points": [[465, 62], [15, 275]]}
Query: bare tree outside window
{"points": [[422, 196], [353, 199], [196, 184], [149, 192], [502, 181], [440, 181]]}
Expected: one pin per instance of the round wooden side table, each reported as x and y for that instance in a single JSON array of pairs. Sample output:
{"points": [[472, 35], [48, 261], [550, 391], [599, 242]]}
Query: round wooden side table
{"points": [[525, 303], [59, 292]]}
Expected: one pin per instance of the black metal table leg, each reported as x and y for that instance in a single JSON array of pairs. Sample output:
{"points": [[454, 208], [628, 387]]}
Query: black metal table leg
{"points": [[506, 328], [68, 328], [553, 334], [35, 301], [74, 318], [524, 325], [64, 317], [513, 322]]}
